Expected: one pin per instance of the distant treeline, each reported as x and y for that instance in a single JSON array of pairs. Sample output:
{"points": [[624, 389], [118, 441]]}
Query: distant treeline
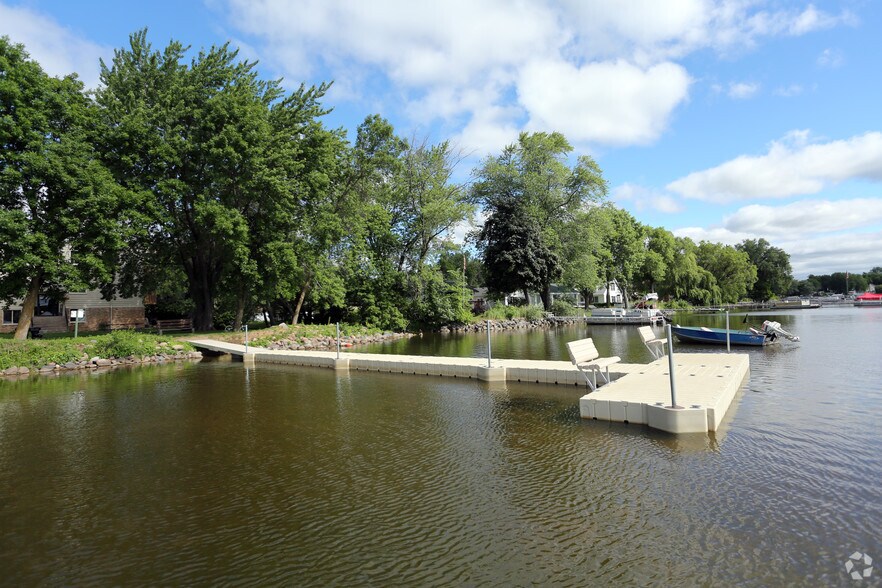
{"points": [[838, 283]]}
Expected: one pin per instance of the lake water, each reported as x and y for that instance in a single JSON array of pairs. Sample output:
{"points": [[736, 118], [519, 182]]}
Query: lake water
{"points": [[215, 474]]}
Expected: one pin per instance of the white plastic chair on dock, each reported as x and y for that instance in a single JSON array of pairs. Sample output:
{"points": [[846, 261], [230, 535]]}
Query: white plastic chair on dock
{"points": [[655, 344], [586, 358]]}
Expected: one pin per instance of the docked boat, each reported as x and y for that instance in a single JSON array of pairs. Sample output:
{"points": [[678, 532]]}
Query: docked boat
{"points": [[868, 299], [621, 316], [770, 332]]}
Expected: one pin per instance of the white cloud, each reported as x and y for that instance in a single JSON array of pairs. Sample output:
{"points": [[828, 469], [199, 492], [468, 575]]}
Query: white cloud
{"points": [[597, 71], [806, 217], [713, 234], [791, 167], [743, 90], [830, 58], [856, 252], [559, 95], [59, 50], [641, 198], [789, 90]]}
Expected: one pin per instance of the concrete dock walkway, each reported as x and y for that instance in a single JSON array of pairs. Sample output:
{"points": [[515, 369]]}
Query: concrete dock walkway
{"points": [[639, 393]]}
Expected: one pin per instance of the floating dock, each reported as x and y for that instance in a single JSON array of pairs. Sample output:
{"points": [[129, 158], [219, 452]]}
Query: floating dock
{"points": [[706, 383]]}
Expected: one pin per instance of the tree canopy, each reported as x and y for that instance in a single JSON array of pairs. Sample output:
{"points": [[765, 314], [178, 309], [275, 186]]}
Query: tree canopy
{"points": [[61, 222]]}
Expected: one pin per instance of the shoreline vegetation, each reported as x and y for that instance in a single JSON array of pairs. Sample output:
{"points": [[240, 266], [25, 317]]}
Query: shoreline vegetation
{"points": [[32, 357], [126, 348]]}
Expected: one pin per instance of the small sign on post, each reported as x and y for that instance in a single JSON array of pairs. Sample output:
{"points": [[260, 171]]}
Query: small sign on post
{"points": [[77, 315]]}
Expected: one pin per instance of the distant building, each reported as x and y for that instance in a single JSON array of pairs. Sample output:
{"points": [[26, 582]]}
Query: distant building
{"points": [[609, 293], [99, 314]]}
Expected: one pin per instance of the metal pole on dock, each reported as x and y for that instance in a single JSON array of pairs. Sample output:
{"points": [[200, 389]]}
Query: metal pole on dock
{"points": [[728, 344], [488, 343], [671, 368], [246, 337], [338, 340]]}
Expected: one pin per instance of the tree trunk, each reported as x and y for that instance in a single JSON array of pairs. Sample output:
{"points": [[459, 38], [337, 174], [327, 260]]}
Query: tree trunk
{"points": [[202, 292], [546, 297], [300, 300], [527, 296], [624, 295], [270, 313], [240, 310], [28, 306]]}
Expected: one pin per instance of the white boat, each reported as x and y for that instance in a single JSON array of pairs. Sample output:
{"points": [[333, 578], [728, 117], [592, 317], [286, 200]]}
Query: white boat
{"points": [[621, 316]]}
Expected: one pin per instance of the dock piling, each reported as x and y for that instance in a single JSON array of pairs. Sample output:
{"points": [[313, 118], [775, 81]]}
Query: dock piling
{"points": [[728, 343], [488, 344], [671, 369]]}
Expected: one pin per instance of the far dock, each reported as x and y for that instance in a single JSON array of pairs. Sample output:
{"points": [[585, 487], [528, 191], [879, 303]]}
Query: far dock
{"points": [[706, 383]]}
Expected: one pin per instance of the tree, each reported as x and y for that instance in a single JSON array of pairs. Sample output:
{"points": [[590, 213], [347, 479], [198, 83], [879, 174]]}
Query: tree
{"points": [[531, 180], [686, 279], [658, 259], [732, 270], [60, 219], [624, 244], [583, 258], [515, 256], [212, 152], [773, 272]]}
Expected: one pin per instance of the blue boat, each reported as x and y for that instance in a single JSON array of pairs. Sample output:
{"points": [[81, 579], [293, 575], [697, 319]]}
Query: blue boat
{"points": [[771, 332], [718, 336]]}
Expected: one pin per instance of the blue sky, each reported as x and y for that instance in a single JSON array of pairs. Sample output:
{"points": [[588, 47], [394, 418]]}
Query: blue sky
{"points": [[720, 120]]}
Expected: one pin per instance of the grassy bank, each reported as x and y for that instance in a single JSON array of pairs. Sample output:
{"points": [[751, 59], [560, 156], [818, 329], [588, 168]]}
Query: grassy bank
{"points": [[32, 353]]}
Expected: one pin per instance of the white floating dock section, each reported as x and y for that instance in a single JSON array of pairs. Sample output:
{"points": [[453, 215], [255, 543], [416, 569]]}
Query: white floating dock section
{"points": [[639, 393], [706, 385]]}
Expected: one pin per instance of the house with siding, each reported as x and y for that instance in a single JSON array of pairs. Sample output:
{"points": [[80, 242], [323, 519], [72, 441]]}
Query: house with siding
{"points": [[98, 314]]}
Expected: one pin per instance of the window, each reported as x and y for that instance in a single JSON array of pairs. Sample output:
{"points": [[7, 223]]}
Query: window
{"points": [[10, 317]]}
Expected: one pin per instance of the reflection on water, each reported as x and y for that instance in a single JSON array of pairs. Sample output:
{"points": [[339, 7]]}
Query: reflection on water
{"points": [[215, 473]]}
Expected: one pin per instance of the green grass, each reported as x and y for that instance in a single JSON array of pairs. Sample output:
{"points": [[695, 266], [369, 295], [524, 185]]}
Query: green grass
{"points": [[35, 353]]}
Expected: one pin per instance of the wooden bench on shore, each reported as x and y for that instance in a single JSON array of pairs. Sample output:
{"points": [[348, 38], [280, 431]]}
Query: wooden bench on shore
{"points": [[585, 357], [174, 325]]}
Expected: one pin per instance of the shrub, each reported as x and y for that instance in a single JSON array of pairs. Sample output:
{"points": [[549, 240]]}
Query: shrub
{"points": [[564, 308], [32, 353], [675, 305], [532, 313], [126, 343]]}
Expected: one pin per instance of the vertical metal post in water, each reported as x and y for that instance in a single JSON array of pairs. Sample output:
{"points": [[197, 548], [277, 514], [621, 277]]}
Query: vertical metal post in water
{"points": [[728, 343], [671, 368], [338, 340], [488, 343]]}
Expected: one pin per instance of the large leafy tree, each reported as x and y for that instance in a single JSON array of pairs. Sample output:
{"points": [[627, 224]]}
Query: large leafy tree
{"points": [[59, 207], [624, 247], [532, 183], [515, 256], [686, 279], [773, 272], [661, 250], [213, 152], [731, 268]]}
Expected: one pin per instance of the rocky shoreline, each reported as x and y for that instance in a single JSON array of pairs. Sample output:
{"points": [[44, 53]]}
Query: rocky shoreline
{"points": [[92, 363], [298, 343], [513, 324], [321, 343]]}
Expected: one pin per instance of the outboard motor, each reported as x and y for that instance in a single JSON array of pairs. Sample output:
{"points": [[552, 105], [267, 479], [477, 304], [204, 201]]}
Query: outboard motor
{"points": [[773, 329]]}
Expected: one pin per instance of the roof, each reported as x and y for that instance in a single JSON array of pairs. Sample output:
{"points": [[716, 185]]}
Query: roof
{"points": [[869, 296]]}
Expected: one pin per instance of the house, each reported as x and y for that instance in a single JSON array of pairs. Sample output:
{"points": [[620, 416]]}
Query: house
{"points": [[609, 293], [98, 314]]}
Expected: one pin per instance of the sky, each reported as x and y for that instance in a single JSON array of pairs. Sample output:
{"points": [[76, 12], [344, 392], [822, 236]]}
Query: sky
{"points": [[720, 120]]}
